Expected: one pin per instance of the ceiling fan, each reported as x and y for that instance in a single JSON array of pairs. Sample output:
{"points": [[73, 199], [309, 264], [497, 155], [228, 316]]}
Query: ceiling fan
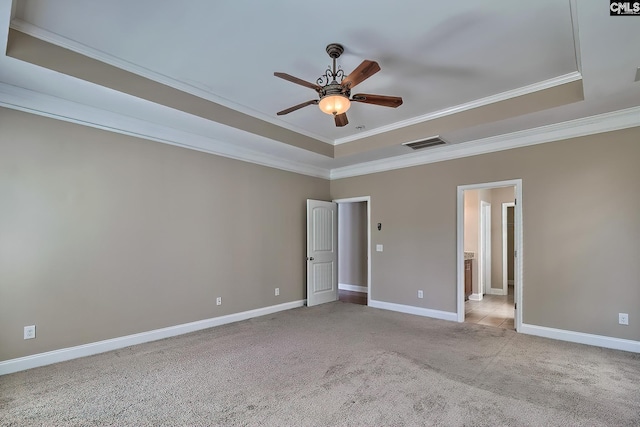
{"points": [[335, 96]]}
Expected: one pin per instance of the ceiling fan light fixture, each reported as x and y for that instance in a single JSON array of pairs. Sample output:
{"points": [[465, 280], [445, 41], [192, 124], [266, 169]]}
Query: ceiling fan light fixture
{"points": [[334, 104], [334, 88]]}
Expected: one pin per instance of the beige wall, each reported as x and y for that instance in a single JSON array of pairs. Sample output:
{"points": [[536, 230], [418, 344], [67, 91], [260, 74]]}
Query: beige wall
{"points": [[104, 235], [352, 243], [581, 230], [472, 232], [471, 221]]}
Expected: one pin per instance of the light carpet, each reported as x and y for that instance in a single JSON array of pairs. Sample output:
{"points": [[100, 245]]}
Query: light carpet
{"points": [[337, 364]]}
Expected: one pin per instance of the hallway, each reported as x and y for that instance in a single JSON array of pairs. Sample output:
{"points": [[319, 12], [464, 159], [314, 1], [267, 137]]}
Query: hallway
{"points": [[352, 297], [493, 310]]}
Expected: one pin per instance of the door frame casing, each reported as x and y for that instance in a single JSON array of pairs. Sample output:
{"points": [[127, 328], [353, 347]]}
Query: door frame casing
{"points": [[518, 285], [368, 200], [484, 252]]}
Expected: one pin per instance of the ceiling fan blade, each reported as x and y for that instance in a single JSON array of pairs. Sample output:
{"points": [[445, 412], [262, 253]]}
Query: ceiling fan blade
{"points": [[296, 80], [297, 107], [385, 101], [341, 120], [363, 72]]}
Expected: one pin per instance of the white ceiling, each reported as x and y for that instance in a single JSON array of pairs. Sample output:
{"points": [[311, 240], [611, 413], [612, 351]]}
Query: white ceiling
{"points": [[435, 55]]}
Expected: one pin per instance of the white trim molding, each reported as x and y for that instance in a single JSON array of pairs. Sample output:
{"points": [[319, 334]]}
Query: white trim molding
{"points": [[191, 88], [61, 355], [410, 309], [525, 90], [607, 122], [518, 227], [352, 288], [475, 297], [366, 199], [582, 338], [21, 99]]}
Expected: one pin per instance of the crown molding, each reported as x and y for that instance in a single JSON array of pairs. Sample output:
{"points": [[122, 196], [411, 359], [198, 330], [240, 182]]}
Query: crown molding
{"points": [[58, 40], [45, 105], [573, 7], [17, 98], [525, 90], [601, 123]]}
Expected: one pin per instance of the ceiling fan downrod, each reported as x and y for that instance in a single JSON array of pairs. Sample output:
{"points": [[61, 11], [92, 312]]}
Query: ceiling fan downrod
{"points": [[332, 74]]}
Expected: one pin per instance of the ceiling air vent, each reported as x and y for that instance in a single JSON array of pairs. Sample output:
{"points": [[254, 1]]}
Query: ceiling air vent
{"points": [[425, 143]]}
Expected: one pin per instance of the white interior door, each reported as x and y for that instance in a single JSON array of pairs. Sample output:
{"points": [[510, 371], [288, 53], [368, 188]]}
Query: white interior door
{"points": [[322, 252]]}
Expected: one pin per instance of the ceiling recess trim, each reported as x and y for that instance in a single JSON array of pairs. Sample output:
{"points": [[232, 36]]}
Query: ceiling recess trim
{"points": [[525, 90], [607, 122], [48, 106], [55, 39], [573, 7], [79, 48]]}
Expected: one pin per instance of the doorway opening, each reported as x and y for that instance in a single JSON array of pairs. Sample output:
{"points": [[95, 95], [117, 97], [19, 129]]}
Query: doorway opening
{"points": [[489, 287], [354, 234], [508, 247]]}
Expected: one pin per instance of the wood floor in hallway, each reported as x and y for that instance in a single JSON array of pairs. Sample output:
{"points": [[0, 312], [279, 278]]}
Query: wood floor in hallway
{"points": [[352, 297]]}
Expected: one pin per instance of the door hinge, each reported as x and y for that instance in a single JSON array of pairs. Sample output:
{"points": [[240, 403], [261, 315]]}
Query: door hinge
{"points": [[515, 306], [515, 254]]}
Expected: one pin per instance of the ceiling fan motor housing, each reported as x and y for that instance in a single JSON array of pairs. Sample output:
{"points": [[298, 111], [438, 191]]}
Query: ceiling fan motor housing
{"points": [[335, 50], [334, 88]]}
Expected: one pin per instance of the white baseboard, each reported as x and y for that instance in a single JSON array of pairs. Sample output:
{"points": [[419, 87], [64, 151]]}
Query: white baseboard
{"points": [[55, 356], [496, 291], [475, 297], [419, 311], [581, 338], [353, 288]]}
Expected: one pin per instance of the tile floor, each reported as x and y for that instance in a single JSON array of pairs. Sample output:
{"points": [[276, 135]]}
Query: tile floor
{"points": [[493, 310]]}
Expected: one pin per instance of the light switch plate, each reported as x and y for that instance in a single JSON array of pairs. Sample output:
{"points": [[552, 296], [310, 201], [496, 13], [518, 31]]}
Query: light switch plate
{"points": [[379, 248]]}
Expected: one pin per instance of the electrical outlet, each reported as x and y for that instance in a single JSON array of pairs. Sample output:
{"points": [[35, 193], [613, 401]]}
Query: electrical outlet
{"points": [[219, 301], [277, 291], [420, 294], [29, 332], [623, 318]]}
